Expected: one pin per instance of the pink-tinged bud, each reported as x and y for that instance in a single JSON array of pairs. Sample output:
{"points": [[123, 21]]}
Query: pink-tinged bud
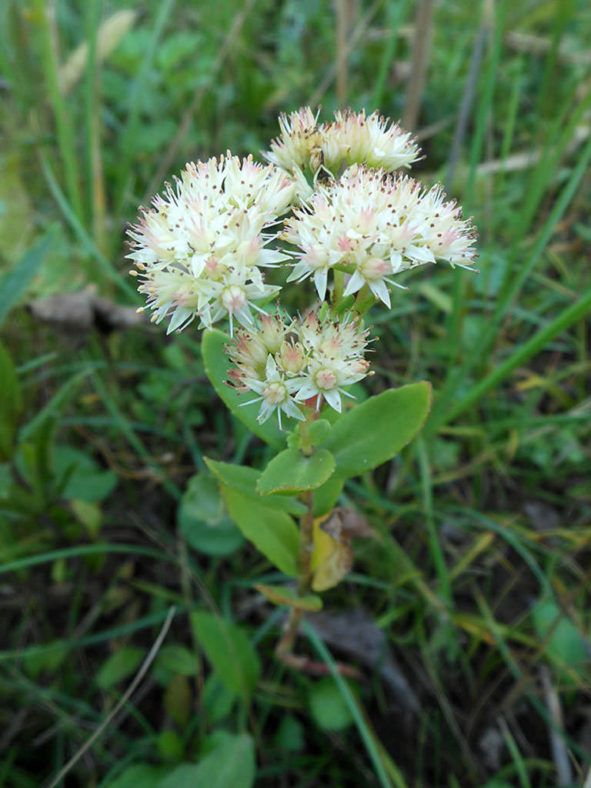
{"points": [[358, 366], [375, 268], [249, 251], [236, 378], [291, 358], [271, 333], [248, 349], [213, 269], [234, 298]]}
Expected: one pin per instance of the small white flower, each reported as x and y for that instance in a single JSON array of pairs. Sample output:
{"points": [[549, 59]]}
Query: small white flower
{"points": [[275, 394]]}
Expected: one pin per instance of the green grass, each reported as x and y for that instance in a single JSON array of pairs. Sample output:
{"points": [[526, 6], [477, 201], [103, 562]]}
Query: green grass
{"points": [[487, 515]]}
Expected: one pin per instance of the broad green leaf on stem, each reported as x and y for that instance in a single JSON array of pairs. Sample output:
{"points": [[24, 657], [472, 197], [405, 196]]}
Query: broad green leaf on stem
{"points": [[232, 763], [374, 431], [292, 472], [318, 431], [203, 520], [217, 366], [326, 496], [284, 595], [245, 480], [229, 651], [273, 532], [10, 404]]}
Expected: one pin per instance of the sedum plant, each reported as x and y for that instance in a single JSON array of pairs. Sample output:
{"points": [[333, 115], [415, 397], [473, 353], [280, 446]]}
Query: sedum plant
{"points": [[331, 215]]}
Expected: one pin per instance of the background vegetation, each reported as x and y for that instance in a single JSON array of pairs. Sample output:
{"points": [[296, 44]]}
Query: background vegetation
{"points": [[468, 611]]}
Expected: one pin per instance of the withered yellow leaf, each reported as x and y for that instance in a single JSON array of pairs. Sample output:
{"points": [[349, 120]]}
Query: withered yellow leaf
{"points": [[331, 560]]}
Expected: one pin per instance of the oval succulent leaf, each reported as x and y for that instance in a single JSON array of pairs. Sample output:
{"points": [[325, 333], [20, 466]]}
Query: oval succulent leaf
{"points": [[374, 431], [293, 472]]}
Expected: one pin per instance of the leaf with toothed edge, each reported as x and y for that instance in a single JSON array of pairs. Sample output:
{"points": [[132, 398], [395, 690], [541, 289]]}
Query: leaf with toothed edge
{"points": [[217, 366]]}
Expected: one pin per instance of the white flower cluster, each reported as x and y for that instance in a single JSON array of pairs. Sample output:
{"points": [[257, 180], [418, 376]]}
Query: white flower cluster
{"points": [[352, 138], [298, 363], [201, 247], [374, 225], [200, 250]]}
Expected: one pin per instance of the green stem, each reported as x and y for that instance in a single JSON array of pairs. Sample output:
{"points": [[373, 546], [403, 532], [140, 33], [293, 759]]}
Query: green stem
{"points": [[339, 287], [364, 301], [306, 544], [285, 646]]}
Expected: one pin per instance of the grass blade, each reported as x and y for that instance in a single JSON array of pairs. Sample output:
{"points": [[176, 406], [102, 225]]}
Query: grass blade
{"points": [[364, 731], [14, 283]]}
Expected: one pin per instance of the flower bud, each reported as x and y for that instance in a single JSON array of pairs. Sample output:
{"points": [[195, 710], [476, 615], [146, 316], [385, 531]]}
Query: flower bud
{"points": [[271, 333], [292, 358]]}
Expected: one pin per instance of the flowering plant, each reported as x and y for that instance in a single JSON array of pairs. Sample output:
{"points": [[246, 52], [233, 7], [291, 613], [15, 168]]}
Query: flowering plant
{"points": [[329, 206]]}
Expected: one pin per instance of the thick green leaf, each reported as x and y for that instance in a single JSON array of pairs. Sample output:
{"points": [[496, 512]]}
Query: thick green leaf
{"points": [[169, 743], [141, 774], [328, 708], [36, 663], [284, 595], [565, 645], [203, 520], [10, 404], [174, 659], [119, 666], [216, 699], [14, 284], [230, 764], [272, 532], [326, 496], [318, 431], [245, 479], [85, 479], [374, 431], [292, 472], [229, 651], [217, 365]]}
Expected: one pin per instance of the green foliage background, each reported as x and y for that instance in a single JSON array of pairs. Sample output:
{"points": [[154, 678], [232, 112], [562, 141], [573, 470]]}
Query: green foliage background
{"points": [[476, 585]]}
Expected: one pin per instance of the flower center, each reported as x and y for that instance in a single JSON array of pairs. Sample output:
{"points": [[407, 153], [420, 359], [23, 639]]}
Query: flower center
{"points": [[275, 393], [325, 379]]}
